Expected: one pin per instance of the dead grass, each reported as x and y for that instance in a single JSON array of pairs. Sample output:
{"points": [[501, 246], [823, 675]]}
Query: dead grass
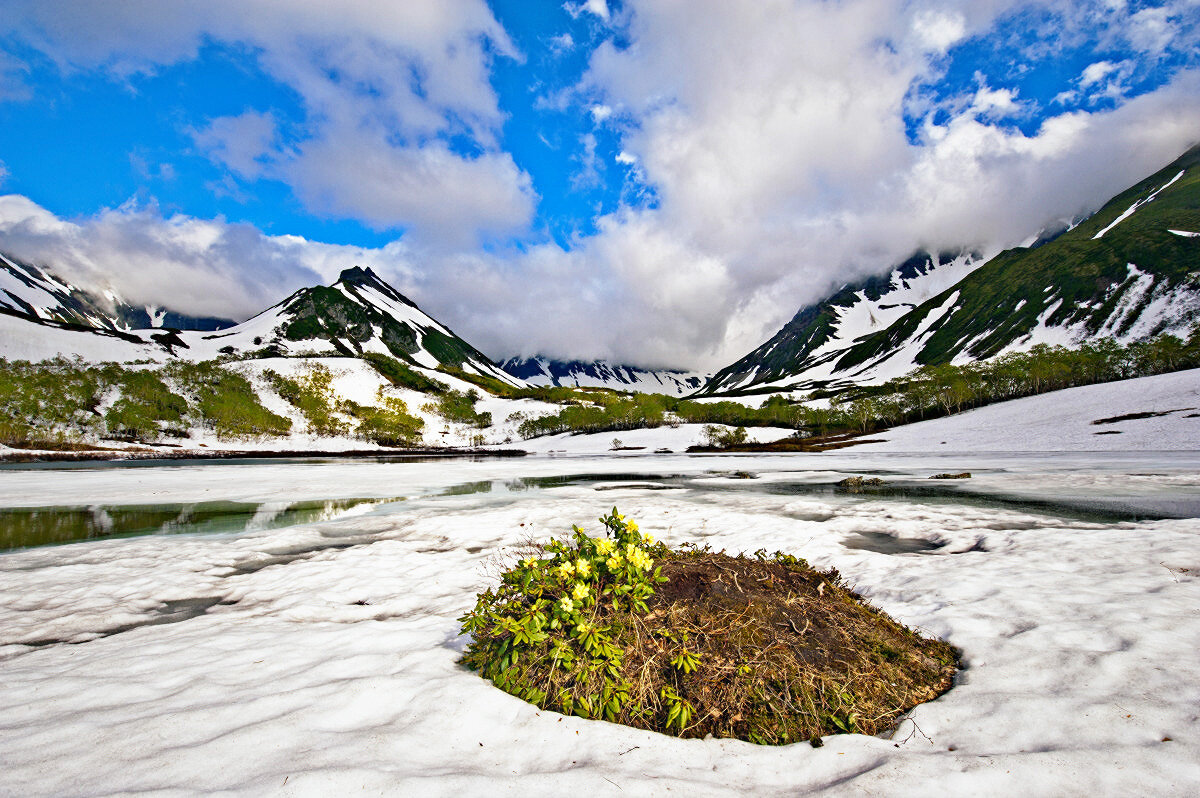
{"points": [[784, 653]]}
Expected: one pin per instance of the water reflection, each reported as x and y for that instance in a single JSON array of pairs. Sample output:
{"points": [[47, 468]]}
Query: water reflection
{"points": [[24, 527]]}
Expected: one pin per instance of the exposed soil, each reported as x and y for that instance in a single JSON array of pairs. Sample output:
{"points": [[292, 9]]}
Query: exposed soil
{"points": [[786, 652]]}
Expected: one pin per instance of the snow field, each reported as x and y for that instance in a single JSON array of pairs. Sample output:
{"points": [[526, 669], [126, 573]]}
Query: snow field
{"points": [[331, 666], [1062, 421]]}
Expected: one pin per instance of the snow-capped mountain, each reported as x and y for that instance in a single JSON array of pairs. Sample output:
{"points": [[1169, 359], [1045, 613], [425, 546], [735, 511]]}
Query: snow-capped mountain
{"points": [[1129, 272], [359, 313], [26, 290], [602, 374]]}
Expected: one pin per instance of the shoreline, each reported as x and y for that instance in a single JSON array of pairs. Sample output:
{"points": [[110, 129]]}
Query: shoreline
{"points": [[18, 456]]}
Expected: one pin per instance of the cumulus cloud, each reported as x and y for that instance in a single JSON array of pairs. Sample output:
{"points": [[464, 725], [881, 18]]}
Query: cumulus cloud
{"points": [[205, 267], [403, 78], [773, 136]]}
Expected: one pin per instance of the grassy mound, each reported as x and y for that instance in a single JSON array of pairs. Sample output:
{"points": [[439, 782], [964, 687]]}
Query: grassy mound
{"points": [[694, 642]]}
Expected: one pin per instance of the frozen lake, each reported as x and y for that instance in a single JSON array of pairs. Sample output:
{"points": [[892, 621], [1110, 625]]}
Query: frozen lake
{"points": [[305, 641]]}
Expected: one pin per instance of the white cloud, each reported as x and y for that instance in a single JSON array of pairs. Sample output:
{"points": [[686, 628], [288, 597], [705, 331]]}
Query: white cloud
{"points": [[600, 113], [3, 173], [598, 8], [562, 43], [995, 103], [242, 143], [207, 267], [937, 30], [401, 77], [772, 133], [774, 137], [1094, 73]]}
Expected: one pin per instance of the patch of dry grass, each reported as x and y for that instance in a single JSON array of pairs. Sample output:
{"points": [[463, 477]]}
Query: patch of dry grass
{"points": [[763, 648]]}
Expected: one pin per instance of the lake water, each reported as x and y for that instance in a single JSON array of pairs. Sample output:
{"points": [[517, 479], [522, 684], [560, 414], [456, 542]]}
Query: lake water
{"points": [[1100, 488]]}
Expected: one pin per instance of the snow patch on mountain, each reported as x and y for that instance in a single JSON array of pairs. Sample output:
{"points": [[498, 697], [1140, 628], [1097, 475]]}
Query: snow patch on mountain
{"points": [[1129, 212], [544, 371], [858, 312]]}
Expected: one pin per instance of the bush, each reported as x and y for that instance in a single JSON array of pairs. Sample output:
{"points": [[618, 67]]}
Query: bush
{"points": [[311, 392], [401, 376], [225, 401], [722, 437], [146, 408], [620, 628], [387, 422], [459, 407]]}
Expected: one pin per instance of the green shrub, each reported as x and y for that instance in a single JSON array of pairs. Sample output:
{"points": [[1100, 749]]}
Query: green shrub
{"points": [[692, 642], [459, 407], [311, 392], [51, 403], [723, 437], [145, 408], [387, 422], [401, 376], [225, 401]]}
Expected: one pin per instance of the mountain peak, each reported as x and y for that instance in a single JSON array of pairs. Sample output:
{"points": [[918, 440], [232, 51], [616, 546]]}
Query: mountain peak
{"points": [[358, 277]]}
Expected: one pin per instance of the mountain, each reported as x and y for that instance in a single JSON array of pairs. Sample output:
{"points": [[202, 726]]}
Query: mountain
{"points": [[602, 374], [357, 314], [28, 291], [1129, 271]]}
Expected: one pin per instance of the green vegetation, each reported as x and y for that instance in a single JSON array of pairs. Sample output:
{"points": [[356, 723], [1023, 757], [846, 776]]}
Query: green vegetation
{"points": [[311, 392], [52, 404], [692, 642], [402, 376], [146, 409], [929, 392], [459, 407], [58, 403], [224, 401], [723, 437], [387, 422]]}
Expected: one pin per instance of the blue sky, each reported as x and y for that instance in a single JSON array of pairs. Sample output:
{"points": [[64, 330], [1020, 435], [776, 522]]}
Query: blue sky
{"points": [[654, 181]]}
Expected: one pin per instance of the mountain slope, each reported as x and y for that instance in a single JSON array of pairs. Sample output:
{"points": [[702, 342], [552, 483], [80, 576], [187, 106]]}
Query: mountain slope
{"points": [[602, 374], [819, 334], [1130, 271], [26, 290], [357, 314]]}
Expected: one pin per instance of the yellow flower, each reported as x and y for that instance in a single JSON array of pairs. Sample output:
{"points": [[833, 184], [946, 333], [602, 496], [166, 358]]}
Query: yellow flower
{"points": [[582, 567], [604, 546], [640, 560], [528, 562], [565, 571], [580, 592], [566, 604], [647, 538], [632, 526], [614, 562]]}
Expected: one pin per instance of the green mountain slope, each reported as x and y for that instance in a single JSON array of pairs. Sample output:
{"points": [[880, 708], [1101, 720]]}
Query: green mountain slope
{"points": [[1137, 279]]}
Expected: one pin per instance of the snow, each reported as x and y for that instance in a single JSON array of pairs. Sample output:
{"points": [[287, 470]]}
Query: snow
{"points": [[25, 340], [1130, 210], [1184, 233], [675, 438], [1062, 421], [326, 662], [603, 374]]}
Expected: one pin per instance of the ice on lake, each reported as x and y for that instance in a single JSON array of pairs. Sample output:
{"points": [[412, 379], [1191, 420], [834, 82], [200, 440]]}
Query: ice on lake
{"points": [[319, 656]]}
